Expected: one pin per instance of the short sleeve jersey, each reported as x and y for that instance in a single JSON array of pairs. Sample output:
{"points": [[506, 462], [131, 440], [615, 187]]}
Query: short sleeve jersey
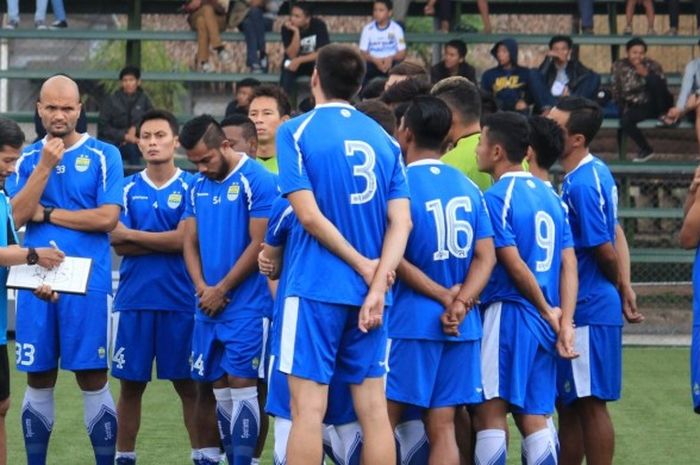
{"points": [[382, 42], [449, 215], [354, 168], [8, 236], [591, 195], [223, 210], [527, 214], [310, 39], [150, 208], [89, 176], [463, 157]]}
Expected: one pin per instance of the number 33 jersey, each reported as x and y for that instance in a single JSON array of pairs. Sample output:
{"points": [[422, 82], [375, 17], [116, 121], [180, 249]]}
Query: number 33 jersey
{"points": [[353, 167]]}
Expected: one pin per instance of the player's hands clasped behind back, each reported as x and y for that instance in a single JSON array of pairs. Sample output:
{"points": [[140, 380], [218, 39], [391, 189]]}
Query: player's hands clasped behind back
{"points": [[565, 341]]}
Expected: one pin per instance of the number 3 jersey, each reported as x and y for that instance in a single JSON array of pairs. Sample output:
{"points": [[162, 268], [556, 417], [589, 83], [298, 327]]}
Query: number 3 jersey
{"points": [[353, 167], [528, 214], [449, 215]]}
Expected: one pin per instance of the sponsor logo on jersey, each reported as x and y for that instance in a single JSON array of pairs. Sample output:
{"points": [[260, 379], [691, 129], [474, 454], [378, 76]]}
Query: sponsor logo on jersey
{"points": [[175, 199], [82, 163], [233, 191]]}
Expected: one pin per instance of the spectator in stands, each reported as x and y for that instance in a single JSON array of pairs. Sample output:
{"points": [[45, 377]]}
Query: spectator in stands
{"points": [[443, 11], [208, 19], [59, 13], [244, 91], [269, 108], [648, 11], [674, 10], [688, 101], [253, 27], [453, 63], [382, 42], [405, 70], [121, 112], [564, 75], [302, 36], [513, 86], [640, 90], [241, 134]]}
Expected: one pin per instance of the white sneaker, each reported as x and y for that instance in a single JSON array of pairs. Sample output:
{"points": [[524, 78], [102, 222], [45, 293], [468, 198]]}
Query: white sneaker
{"points": [[224, 55], [207, 67]]}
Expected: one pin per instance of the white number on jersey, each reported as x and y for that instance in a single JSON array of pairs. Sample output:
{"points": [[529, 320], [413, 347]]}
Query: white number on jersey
{"points": [[448, 227], [118, 358], [545, 240], [24, 354], [365, 170], [198, 365]]}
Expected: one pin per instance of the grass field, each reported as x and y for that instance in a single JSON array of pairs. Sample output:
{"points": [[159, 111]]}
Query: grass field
{"points": [[654, 421]]}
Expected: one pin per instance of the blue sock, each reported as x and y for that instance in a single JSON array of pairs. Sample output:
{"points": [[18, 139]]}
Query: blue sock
{"points": [[245, 424], [101, 424], [37, 422], [224, 406]]}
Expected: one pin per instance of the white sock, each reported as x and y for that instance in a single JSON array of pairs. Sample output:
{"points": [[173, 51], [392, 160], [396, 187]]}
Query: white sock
{"points": [[254, 461], [195, 454], [490, 447], [350, 435], [42, 402], [333, 446], [210, 453], [282, 427], [410, 436], [538, 448], [126, 455], [555, 434], [245, 422], [100, 417]]}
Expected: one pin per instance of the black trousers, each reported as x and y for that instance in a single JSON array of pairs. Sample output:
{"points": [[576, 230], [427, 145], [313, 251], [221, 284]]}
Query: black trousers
{"points": [[660, 100], [674, 10]]}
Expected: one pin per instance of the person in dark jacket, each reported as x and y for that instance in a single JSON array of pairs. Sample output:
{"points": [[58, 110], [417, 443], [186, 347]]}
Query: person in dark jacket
{"points": [[453, 63], [121, 112], [514, 87], [564, 75]]}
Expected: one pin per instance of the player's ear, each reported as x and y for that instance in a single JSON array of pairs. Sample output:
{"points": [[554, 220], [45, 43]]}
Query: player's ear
{"points": [[176, 142], [529, 155]]}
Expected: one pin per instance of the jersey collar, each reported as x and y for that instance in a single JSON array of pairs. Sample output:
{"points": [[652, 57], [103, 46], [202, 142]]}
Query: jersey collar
{"points": [[83, 137], [517, 174], [148, 181], [334, 105], [425, 161], [585, 160], [243, 159]]}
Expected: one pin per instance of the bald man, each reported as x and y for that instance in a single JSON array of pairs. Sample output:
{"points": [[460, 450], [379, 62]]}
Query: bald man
{"points": [[67, 190]]}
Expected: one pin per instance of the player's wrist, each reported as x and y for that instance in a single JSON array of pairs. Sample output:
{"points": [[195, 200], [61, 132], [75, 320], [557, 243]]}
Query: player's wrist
{"points": [[48, 211]]}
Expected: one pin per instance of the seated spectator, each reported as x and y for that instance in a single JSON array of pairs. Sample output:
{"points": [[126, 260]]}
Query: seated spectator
{"points": [[302, 36], [59, 13], [382, 42], [405, 70], [648, 10], [453, 63], [514, 87], [241, 134], [688, 101], [674, 10], [253, 27], [585, 11], [121, 112], [444, 12], [640, 90], [208, 19], [244, 91], [268, 109], [564, 75]]}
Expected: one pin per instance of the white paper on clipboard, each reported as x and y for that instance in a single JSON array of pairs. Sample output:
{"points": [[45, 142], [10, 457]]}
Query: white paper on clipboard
{"points": [[70, 277]]}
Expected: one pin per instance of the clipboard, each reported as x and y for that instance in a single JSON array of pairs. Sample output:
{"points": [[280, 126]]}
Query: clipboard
{"points": [[70, 277]]}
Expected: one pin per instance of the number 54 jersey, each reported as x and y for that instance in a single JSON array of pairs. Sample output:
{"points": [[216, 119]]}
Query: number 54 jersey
{"points": [[353, 167], [528, 214]]}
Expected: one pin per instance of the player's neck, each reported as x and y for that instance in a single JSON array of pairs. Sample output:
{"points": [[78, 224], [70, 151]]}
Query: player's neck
{"points": [[69, 140], [160, 173], [501, 169], [266, 150], [466, 130], [539, 173], [415, 154], [573, 159]]}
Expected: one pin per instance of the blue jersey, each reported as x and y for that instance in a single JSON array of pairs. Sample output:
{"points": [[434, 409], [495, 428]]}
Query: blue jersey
{"points": [[89, 175], [8, 236], [591, 195], [449, 216], [696, 289], [148, 207], [223, 210], [354, 169], [528, 215]]}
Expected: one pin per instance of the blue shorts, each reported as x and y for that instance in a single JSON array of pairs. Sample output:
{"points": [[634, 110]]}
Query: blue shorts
{"points": [[597, 372], [226, 348], [320, 340], [514, 366], [143, 335], [434, 374], [74, 329], [695, 368]]}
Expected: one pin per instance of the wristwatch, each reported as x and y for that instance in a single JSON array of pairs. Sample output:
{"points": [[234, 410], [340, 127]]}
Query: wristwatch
{"points": [[32, 256], [47, 214]]}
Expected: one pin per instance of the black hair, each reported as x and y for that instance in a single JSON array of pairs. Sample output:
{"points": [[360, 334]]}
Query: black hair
{"points": [[546, 140], [159, 114], [585, 116], [408, 68], [201, 128], [248, 82], [388, 3], [242, 121], [511, 131], [130, 70], [429, 119], [303, 6], [561, 38], [275, 92], [10, 134], [461, 95], [634, 42], [458, 45], [374, 88], [400, 110], [380, 112], [341, 70], [405, 91]]}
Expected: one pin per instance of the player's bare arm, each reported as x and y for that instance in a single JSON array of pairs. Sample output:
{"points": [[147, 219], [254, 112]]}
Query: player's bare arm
{"points": [[689, 235], [692, 193], [421, 282], [629, 297], [25, 203], [526, 283], [101, 219], [270, 261], [608, 262], [568, 290], [190, 251], [149, 242]]}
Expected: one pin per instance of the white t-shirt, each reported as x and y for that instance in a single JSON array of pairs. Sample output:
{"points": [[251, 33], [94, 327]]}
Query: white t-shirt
{"points": [[381, 43]]}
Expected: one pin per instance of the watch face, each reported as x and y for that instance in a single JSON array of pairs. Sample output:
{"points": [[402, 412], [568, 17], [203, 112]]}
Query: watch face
{"points": [[32, 258]]}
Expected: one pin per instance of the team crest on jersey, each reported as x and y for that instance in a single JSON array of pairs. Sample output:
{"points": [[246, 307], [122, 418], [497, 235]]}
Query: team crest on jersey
{"points": [[256, 363], [174, 199], [102, 352], [233, 191], [82, 163]]}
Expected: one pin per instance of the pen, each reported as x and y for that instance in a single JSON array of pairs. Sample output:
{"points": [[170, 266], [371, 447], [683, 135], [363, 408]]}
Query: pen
{"points": [[53, 244]]}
